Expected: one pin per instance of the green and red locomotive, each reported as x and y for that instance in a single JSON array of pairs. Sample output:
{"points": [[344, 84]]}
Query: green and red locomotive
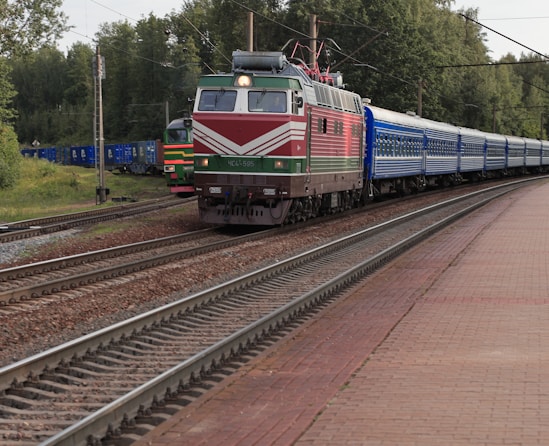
{"points": [[276, 142], [177, 142]]}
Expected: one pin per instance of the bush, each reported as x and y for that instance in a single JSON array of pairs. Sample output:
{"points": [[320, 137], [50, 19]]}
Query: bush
{"points": [[10, 158]]}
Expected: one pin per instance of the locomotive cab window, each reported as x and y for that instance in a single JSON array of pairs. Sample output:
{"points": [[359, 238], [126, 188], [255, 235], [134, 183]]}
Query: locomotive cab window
{"points": [[176, 135], [267, 101], [217, 100]]}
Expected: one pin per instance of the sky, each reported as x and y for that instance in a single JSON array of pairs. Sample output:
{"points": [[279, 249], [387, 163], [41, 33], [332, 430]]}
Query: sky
{"points": [[523, 22], [85, 16]]}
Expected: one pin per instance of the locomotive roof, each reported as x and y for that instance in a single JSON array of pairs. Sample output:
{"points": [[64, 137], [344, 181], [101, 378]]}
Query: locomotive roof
{"points": [[179, 123], [411, 121], [382, 114], [258, 81]]}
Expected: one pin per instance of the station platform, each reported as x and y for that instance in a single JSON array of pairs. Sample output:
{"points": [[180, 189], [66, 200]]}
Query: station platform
{"points": [[446, 345]]}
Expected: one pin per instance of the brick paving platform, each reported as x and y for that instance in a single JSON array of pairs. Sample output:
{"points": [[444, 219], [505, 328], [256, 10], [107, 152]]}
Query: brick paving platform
{"points": [[447, 345]]}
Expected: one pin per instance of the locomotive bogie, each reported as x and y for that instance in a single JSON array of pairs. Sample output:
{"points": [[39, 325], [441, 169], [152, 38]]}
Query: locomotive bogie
{"points": [[277, 212], [273, 199]]}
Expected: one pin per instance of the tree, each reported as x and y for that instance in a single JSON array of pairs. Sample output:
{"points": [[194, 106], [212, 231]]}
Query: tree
{"points": [[10, 159], [78, 101], [7, 92], [385, 51], [29, 24], [118, 45], [25, 25], [40, 80]]}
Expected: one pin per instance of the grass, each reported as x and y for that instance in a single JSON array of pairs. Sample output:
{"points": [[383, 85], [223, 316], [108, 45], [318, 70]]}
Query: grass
{"points": [[46, 188]]}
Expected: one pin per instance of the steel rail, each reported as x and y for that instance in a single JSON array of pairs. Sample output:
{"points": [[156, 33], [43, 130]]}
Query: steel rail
{"points": [[177, 378], [46, 225], [112, 272], [21, 369], [116, 412], [18, 272]]}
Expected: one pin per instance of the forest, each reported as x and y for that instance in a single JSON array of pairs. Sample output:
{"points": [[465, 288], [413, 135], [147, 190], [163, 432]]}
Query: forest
{"points": [[395, 52]]}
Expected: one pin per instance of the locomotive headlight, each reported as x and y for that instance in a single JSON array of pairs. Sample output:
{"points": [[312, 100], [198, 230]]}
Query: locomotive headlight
{"points": [[243, 81], [169, 168], [202, 162], [281, 164]]}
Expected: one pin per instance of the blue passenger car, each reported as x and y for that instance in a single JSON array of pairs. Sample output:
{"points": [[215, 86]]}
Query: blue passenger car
{"points": [[496, 155], [515, 154], [472, 152], [545, 153], [533, 154], [393, 144], [406, 152], [441, 148]]}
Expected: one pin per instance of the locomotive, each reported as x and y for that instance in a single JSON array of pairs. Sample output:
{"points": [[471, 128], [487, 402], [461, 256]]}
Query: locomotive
{"points": [[275, 142], [177, 142], [278, 142]]}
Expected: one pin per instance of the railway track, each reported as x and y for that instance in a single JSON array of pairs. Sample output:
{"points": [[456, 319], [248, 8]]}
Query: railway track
{"points": [[45, 279], [47, 225], [110, 386]]}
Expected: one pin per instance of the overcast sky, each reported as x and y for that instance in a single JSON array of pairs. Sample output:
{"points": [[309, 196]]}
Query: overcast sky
{"points": [[525, 21]]}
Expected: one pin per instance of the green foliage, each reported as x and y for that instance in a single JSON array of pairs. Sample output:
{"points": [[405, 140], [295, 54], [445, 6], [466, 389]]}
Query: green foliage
{"points": [[10, 158], [385, 50], [50, 188], [26, 25], [29, 24], [7, 92], [40, 79]]}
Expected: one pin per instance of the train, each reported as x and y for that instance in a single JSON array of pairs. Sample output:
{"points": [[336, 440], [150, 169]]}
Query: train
{"points": [[278, 141], [179, 156], [140, 157], [172, 156]]}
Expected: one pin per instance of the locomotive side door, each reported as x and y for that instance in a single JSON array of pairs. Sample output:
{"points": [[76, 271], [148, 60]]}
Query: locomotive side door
{"points": [[308, 156]]}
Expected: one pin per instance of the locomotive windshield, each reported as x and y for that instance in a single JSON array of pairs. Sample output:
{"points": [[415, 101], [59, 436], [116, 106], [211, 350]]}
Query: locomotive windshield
{"points": [[217, 100], [267, 101], [176, 135]]}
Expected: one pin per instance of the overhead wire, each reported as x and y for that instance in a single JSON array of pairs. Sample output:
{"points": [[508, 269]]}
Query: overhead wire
{"points": [[503, 35], [357, 62]]}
